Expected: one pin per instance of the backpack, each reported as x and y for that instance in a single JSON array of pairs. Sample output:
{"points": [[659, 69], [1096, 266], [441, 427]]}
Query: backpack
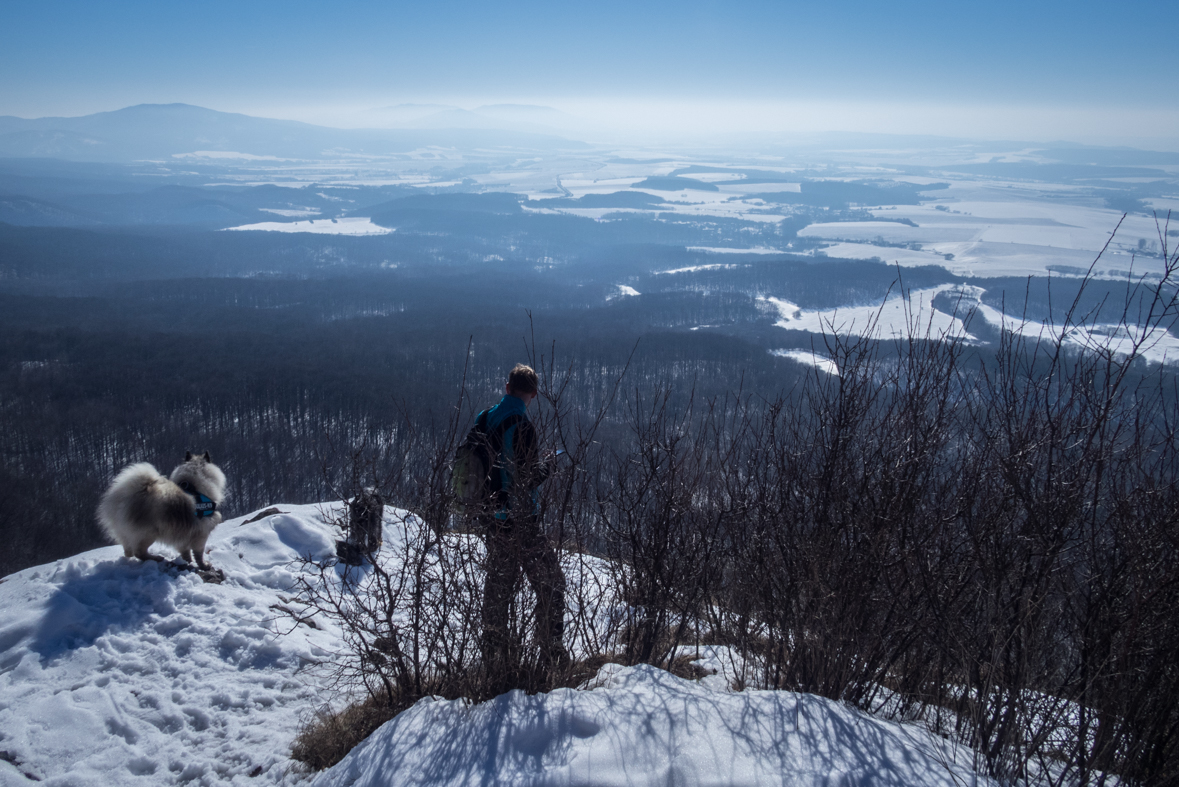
{"points": [[472, 481]]}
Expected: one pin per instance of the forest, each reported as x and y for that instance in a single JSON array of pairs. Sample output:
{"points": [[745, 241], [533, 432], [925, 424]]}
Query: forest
{"points": [[977, 524], [138, 341]]}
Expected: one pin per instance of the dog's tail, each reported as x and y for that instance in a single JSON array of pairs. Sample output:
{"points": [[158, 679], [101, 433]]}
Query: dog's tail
{"points": [[133, 481]]}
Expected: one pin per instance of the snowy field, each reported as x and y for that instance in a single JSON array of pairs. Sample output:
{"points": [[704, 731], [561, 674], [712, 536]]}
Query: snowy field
{"points": [[893, 318], [116, 672], [992, 232], [901, 315], [1156, 344], [345, 226]]}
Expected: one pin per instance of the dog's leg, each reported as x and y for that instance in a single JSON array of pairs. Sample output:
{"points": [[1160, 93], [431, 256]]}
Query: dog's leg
{"points": [[141, 552], [198, 551]]}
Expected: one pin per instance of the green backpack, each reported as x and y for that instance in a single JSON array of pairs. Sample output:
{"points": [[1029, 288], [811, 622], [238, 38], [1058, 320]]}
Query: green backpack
{"points": [[474, 481]]}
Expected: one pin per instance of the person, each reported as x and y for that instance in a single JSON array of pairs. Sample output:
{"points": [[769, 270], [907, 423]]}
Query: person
{"points": [[515, 541]]}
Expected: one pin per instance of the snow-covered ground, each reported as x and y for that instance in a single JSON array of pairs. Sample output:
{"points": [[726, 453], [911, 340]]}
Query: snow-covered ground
{"points": [[345, 226], [734, 250], [991, 233], [809, 358], [116, 672], [716, 266], [908, 258], [1155, 344], [913, 311], [891, 319], [643, 726], [292, 212]]}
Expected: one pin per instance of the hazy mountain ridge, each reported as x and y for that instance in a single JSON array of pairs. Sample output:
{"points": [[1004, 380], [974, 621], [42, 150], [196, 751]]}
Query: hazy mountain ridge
{"points": [[162, 131]]}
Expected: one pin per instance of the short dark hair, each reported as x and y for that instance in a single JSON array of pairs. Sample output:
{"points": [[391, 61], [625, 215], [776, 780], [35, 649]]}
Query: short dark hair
{"points": [[522, 379]]}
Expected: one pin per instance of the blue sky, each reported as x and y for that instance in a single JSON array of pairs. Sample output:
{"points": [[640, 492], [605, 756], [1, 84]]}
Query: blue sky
{"points": [[284, 58]]}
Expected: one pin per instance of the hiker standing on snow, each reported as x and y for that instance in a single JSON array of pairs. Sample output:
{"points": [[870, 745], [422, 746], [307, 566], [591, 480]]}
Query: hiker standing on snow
{"points": [[515, 539]]}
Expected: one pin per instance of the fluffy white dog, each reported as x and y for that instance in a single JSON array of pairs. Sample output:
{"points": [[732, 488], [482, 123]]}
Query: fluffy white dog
{"points": [[142, 507]]}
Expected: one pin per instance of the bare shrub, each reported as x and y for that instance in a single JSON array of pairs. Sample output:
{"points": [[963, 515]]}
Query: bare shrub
{"points": [[327, 737], [982, 539]]}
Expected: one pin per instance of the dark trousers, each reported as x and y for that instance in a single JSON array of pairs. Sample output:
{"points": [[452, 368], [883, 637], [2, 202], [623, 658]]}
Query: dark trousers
{"points": [[512, 545]]}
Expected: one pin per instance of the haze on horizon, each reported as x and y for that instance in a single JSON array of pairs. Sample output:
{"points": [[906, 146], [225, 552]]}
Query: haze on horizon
{"points": [[1083, 71]]}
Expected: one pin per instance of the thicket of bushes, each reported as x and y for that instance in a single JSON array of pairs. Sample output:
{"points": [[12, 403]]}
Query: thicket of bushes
{"points": [[989, 544]]}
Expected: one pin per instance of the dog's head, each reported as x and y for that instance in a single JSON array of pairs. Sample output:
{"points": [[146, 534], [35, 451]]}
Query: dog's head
{"points": [[204, 476]]}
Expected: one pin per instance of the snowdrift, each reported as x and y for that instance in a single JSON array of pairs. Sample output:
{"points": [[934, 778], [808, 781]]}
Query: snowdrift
{"points": [[117, 672], [643, 726]]}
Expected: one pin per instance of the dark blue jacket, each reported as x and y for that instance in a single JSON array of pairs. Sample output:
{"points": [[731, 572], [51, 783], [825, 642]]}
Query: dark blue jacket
{"points": [[520, 468]]}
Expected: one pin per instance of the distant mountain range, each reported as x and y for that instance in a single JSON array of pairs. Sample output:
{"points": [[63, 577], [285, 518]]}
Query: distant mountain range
{"points": [[165, 131]]}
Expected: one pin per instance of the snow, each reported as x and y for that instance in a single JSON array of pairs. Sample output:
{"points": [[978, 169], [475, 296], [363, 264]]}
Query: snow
{"points": [[733, 250], [808, 358], [892, 318], [347, 226], [225, 155], [1163, 204], [624, 289], [716, 266], [293, 212], [643, 726], [713, 177], [1156, 344], [114, 671], [998, 237], [889, 319], [889, 254]]}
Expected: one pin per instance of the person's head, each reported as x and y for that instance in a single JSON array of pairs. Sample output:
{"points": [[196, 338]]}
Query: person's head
{"points": [[522, 383]]}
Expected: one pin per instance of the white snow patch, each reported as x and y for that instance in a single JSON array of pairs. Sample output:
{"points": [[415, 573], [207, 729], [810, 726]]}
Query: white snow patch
{"points": [[731, 250], [292, 212], [716, 266], [624, 289], [809, 358], [1162, 205], [886, 254], [226, 155], [713, 177], [890, 319], [346, 226], [1156, 345]]}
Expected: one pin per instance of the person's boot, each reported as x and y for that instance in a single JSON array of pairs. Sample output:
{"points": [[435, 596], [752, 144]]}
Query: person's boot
{"points": [[553, 665]]}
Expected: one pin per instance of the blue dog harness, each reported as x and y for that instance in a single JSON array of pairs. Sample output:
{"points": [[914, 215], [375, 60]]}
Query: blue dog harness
{"points": [[204, 506]]}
